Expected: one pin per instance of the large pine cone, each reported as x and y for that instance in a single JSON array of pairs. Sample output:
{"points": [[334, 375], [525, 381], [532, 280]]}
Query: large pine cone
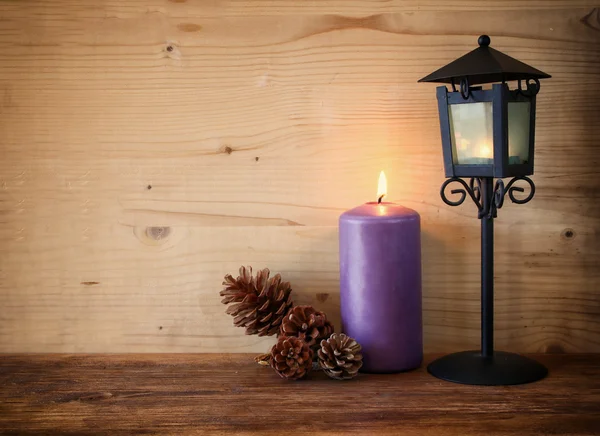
{"points": [[260, 302], [340, 357], [236, 289], [307, 324], [291, 357]]}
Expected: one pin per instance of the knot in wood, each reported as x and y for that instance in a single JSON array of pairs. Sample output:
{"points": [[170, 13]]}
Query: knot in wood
{"points": [[568, 234], [158, 233]]}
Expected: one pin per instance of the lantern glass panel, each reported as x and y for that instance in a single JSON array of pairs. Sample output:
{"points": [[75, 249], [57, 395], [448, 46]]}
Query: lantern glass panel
{"points": [[471, 131], [519, 118]]}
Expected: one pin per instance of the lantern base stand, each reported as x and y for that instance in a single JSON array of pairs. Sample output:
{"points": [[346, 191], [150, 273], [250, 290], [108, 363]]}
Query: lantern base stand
{"points": [[502, 369]]}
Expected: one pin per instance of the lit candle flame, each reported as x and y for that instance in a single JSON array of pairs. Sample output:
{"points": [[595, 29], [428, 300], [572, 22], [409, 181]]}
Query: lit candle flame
{"points": [[485, 150], [381, 187]]}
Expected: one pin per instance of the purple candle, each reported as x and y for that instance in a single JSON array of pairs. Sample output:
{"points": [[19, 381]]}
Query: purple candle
{"points": [[380, 284]]}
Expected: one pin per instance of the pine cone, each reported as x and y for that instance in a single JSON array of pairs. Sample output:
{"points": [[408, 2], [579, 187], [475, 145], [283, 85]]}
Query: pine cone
{"points": [[307, 324], [260, 302], [340, 357], [291, 358], [236, 289]]}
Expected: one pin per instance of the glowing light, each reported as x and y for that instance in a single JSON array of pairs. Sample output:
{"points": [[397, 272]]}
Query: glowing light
{"points": [[381, 187], [485, 151]]}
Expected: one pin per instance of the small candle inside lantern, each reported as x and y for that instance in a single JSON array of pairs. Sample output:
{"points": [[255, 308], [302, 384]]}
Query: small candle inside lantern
{"points": [[485, 151]]}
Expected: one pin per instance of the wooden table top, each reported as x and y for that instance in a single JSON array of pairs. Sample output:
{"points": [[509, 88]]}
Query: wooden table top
{"points": [[228, 394]]}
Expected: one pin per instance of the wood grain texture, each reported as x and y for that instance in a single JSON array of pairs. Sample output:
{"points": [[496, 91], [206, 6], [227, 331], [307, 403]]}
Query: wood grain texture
{"points": [[231, 395], [150, 147]]}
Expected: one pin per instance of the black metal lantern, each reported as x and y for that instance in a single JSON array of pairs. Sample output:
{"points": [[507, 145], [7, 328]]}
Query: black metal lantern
{"points": [[487, 134]]}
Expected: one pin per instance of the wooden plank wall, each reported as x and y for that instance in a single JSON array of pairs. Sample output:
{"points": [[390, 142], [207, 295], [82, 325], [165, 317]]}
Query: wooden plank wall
{"points": [[151, 146]]}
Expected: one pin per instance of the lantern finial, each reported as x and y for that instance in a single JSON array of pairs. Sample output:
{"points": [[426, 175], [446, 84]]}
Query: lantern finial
{"points": [[484, 41]]}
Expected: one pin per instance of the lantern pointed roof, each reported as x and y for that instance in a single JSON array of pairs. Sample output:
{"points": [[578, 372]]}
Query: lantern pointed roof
{"points": [[485, 65]]}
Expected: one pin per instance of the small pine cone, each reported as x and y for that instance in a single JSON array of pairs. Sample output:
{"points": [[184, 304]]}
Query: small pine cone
{"points": [[307, 324], [260, 302], [291, 358], [340, 357]]}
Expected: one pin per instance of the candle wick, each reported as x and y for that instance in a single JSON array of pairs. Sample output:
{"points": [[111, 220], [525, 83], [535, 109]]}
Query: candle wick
{"points": [[380, 198]]}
